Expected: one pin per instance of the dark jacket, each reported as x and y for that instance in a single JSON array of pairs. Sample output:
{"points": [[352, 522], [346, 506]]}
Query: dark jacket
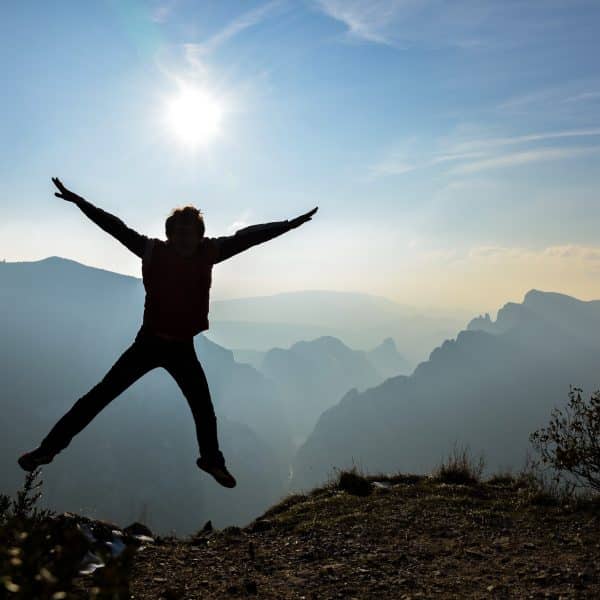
{"points": [[177, 288]]}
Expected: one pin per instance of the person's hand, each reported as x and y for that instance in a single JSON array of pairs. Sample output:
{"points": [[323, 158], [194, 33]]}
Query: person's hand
{"points": [[303, 218], [65, 194]]}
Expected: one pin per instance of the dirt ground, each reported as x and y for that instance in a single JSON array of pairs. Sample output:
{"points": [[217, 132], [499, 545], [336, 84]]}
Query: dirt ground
{"points": [[411, 537]]}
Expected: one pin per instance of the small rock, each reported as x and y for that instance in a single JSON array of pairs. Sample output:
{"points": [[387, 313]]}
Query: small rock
{"points": [[137, 528]]}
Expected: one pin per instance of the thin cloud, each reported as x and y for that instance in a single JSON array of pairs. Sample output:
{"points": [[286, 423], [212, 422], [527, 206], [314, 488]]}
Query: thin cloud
{"points": [[586, 256], [244, 21], [463, 24], [581, 253], [520, 158], [528, 99], [466, 146], [392, 166], [398, 164], [192, 60], [163, 10], [196, 53], [552, 97], [584, 96], [482, 154], [365, 19]]}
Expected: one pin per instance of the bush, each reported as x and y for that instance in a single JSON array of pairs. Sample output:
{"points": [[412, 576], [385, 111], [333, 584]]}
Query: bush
{"points": [[502, 478], [41, 553], [354, 483], [37, 559], [570, 444], [460, 468]]}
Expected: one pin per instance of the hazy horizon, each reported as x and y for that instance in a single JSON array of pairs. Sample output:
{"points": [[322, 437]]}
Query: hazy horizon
{"points": [[286, 415], [430, 309], [452, 147]]}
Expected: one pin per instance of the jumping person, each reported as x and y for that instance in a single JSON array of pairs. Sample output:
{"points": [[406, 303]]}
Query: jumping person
{"points": [[177, 277]]}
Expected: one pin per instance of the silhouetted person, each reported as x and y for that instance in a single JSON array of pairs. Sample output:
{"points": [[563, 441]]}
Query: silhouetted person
{"points": [[177, 278]]}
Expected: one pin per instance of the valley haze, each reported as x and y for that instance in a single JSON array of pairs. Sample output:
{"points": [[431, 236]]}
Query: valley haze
{"points": [[300, 403]]}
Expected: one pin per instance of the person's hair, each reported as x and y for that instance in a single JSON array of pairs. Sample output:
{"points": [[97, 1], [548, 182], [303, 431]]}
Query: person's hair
{"points": [[185, 213]]}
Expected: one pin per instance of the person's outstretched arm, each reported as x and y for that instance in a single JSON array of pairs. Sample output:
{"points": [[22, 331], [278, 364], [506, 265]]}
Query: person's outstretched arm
{"points": [[228, 246], [134, 241]]}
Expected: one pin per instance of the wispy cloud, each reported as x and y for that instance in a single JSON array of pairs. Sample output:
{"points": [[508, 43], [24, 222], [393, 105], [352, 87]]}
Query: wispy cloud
{"points": [[589, 255], [190, 61], [242, 22], [162, 10], [368, 20], [397, 164], [463, 24], [566, 97], [481, 154], [525, 100], [514, 159], [392, 165], [494, 142], [196, 54], [584, 96], [586, 256]]}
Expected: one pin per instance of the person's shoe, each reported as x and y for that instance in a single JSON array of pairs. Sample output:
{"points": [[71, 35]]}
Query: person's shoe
{"points": [[33, 459], [218, 471]]}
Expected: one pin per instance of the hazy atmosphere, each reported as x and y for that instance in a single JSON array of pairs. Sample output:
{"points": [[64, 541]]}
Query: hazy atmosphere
{"points": [[265, 265], [453, 147]]}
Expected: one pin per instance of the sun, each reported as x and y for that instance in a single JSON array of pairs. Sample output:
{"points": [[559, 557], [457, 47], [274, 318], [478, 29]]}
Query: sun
{"points": [[194, 116]]}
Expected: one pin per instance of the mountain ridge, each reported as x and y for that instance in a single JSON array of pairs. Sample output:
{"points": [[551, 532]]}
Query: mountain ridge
{"points": [[487, 387]]}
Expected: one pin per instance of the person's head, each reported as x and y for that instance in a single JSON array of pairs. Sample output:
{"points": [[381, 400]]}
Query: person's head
{"points": [[185, 229]]}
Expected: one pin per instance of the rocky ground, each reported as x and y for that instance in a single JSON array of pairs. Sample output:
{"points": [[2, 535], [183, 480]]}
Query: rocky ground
{"points": [[391, 537]]}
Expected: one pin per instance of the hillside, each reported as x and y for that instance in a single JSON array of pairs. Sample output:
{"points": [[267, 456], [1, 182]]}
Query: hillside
{"points": [[407, 540], [395, 536], [488, 388], [312, 376], [64, 324]]}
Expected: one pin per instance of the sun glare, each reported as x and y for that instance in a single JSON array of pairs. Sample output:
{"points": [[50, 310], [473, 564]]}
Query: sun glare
{"points": [[194, 116]]}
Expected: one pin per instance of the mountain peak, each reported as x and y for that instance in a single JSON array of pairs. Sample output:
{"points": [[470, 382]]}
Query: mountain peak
{"points": [[536, 296], [388, 345]]}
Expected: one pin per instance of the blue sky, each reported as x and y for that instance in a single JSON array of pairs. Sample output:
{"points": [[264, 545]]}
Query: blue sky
{"points": [[453, 147]]}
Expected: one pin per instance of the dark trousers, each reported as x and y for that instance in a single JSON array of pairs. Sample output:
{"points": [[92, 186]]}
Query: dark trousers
{"points": [[147, 352]]}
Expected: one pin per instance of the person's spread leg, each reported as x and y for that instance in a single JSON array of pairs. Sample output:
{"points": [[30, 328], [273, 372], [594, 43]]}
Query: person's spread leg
{"points": [[136, 361], [183, 365]]}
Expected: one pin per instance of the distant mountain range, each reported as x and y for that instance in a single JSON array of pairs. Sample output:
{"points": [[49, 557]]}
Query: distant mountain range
{"points": [[488, 389], [64, 324], [313, 375], [358, 320]]}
